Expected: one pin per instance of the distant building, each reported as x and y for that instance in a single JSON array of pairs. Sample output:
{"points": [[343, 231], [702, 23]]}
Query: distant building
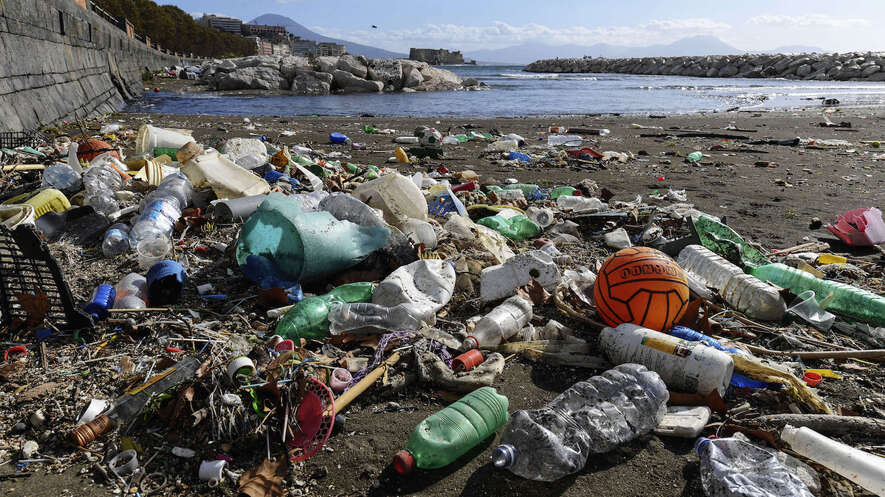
{"points": [[330, 49], [263, 30], [226, 24], [303, 47], [436, 56]]}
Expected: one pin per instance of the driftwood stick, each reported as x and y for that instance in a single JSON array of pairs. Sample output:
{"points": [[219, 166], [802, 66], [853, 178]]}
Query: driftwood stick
{"points": [[826, 424]]}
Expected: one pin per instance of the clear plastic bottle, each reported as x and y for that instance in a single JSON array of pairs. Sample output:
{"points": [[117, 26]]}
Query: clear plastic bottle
{"points": [[61, 177], [129, 302], [174, 185], [132, 284], [500, 324], [592, 416], [734, 468], [744, 292], [580, 204], [116, 240], [567, 140], [365, 317], [157, 220], [833, 296], [101, 180]]}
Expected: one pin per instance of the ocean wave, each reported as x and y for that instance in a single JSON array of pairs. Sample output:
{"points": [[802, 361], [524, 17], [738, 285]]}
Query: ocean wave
{"points": [[564, 77]]}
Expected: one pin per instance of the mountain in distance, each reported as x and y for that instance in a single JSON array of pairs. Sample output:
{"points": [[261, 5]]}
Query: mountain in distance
{"points": [[529, 52], [306, 34]]}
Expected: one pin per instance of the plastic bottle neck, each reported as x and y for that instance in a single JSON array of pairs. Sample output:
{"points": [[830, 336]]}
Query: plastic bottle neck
{"points": [[504, 456]]}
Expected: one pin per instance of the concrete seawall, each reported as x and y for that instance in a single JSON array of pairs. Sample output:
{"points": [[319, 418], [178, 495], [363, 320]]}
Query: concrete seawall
{"points": [[869, 66], [61, 61]]}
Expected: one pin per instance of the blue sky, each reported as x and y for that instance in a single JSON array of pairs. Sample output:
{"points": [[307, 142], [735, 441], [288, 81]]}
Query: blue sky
{"points": [[475, 24]]}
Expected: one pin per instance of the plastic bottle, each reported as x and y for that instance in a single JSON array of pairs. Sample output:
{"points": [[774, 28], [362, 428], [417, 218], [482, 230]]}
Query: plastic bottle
{"points": [[175, 185], [862, 468], [309, 318], [577, 204], [744, 292], [73, 160], [101, 181], [531, 191], [366, 317], [684, 366], [833, 296], [500, 324], [450, 140], [542, 216], [450, 433], [734, 468], [157, 220], [592, 416], [132, 284], [694, 336], [116, 240], [370, 130], [567, 140], [726, 242], [62, 177], [503, 146], [517, 228], [102, 299], [560, 191]]}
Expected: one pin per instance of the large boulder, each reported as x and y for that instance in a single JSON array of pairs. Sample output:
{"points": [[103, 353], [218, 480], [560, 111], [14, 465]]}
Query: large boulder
{"points": [[306, 82], [869, 71], [352, 65], [728, 71], [346, 82], [254, 78], [803, 70], [327, 64], [290, 64], [412, 77], [439, 79], [387, 71], [271, 61]]}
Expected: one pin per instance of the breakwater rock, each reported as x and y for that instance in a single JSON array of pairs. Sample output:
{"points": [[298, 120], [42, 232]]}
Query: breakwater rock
{"points": [[325, 75], [869, 66]]}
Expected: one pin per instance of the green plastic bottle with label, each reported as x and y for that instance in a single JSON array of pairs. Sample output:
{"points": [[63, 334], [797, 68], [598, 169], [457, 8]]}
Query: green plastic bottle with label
{"points": [[450, 433], [562, 191], [309, 318], [516, 228]]}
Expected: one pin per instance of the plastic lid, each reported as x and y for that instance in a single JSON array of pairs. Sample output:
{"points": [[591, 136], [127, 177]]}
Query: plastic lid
{"points": [[403, 462], [812, 379]]}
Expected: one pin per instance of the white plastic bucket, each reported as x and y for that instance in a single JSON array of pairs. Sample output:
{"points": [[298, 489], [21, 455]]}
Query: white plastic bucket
{"points": [[150, 137]]}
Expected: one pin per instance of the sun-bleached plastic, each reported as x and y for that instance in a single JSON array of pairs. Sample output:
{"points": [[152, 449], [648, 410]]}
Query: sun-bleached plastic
{"points": [[373, 318], [227, 179], [734, 468], [862, 468], [150, 137], [503, 146], [592, 416], [427, 284], [396, 195], [683, 365], [684, 421], [420, 232], [577, 204], [498, 282], [61, 176], [499, 325], [567, 140], [744, 292], [542, 216]]}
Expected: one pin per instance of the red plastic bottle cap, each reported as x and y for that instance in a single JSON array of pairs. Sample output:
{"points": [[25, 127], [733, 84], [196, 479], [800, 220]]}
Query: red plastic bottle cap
{"points": [[812, 379], [442, 170], [467, 361], [174, 350], [403, 462], [284, 345], [17, 349]]}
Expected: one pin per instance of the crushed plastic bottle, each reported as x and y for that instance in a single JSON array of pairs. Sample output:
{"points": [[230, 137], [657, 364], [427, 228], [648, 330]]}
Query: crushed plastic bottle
{"points": [[101, 180], [116, 240], [744, 292], [365, 317], [734, 468], [592, 416], [61, 177], [577, 204], [309, 318], [516, 228]]}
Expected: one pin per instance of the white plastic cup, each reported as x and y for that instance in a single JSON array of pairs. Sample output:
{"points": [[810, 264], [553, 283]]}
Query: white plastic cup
{"points": [[212, 471], [152, 250], [150, 137], [238, 364]]}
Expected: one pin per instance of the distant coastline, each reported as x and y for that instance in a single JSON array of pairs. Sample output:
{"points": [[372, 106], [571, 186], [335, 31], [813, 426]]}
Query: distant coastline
{"points": [[869, 66]]}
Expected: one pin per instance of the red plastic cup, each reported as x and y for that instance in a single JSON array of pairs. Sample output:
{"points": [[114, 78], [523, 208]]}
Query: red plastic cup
{"points": [[812, 379], [467, 361]]}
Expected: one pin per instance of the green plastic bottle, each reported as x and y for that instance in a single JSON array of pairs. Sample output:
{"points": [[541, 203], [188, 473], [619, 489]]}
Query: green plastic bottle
{"points": [[462, 138], [309, 318], [516, 228], [494, 188], [833, 296], [727, 243], [561, 191], [373, 173], [452, 432], [369, 129], [351, 168]]}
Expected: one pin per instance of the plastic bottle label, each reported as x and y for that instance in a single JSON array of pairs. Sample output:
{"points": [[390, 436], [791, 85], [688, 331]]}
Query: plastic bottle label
{"points": [[115, 232], [679, 349]]}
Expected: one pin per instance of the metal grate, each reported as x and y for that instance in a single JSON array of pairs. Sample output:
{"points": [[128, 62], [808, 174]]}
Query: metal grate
{"points": [[26, 266], [13, 139]]}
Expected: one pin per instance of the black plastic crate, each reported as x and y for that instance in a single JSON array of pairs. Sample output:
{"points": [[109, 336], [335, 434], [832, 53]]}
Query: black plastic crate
{"points": [[13, 139], [26, 267]]}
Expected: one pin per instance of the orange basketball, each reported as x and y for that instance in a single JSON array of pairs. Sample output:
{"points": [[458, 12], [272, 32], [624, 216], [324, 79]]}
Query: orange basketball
{"points": [[91, 148], [643, 286]]}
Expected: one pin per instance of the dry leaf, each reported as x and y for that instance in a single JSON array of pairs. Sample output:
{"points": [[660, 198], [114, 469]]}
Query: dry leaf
{"points": [[264, 480], [36, 305], [37, 392], [537, 294], [689, 318]]}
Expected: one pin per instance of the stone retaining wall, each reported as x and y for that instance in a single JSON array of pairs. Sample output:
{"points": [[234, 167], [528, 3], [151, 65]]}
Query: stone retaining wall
{"points": [[61, 61], [869, 66]]}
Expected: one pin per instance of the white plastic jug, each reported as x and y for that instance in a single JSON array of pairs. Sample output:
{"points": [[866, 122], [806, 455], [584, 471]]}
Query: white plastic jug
{"points": [[684, 366], [227, 179], [502, 280], [396, 195], [427, 283]]}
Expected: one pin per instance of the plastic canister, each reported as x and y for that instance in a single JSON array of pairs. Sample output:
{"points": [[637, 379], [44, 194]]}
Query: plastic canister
{"points": [[150, 137], [428, 284], [165, 280], [396, 195], [48, 200], [684, 366]]}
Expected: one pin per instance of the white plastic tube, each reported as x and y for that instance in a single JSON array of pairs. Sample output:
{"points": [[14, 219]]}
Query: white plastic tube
{"points": [[860, 467]]}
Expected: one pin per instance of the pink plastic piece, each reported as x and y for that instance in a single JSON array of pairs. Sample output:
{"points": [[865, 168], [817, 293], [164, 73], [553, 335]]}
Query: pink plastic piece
{"points": [[340, 379], [860, 227]]}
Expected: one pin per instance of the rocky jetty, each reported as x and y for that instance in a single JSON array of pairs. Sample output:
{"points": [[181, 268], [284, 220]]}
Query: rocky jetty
{"points": [[325, 75], [868, 66]]}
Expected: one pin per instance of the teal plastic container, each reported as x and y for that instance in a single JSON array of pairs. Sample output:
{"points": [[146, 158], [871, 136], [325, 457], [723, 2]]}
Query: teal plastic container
{"points": [[516, 228], [833, 296], [449, 434]]}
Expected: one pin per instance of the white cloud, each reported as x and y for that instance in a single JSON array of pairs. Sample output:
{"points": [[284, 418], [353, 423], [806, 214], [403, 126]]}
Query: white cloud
{"points": [[811, 20], [500, 34]]}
